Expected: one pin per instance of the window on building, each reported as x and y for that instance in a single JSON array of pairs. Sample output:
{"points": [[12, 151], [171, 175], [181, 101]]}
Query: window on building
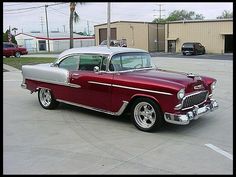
{"points": [[42, 45]]}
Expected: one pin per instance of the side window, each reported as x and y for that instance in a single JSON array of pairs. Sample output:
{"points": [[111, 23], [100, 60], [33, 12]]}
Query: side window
{"points": [[70, 63], [115, 64], [88, 62], [11, 46], [122, 62]]}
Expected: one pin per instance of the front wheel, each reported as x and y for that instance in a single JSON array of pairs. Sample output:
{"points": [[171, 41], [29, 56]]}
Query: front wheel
{"points": [[17, 54], [46, 99], [147, 115]]}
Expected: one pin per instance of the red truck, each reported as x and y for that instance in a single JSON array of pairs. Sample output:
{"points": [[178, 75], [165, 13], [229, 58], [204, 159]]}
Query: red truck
{"points": [[10, 49]]}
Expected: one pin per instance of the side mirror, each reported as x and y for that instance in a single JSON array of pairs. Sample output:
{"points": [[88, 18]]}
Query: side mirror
{"points": [[54, 65], [96, 69]]}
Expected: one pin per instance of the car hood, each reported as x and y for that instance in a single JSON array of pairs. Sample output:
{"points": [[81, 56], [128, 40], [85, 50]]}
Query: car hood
{"points": [[168, 78]]}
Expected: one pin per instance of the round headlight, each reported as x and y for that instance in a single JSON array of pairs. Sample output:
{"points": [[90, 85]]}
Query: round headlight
{"points": [[213, 85], [180, 94]]}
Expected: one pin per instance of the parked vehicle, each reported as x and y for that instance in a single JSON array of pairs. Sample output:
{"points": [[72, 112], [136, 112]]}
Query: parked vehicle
{"points": [[193, 48], [11, 49], [116, 80], [114, 43]]}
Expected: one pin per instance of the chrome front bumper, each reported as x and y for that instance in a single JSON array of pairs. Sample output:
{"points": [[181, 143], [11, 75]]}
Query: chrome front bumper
{"points": [[195, 113]]}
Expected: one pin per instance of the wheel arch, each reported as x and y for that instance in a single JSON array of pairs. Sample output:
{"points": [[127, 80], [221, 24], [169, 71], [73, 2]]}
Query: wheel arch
{"points": [[136, 96]]}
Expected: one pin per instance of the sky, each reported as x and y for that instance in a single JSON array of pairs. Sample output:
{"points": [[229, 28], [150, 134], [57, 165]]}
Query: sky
{"points": [[26, 20]]}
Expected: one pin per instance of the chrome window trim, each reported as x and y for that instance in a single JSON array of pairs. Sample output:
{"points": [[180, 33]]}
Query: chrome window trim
{"points": [[54, 82], [118, 113], [59, 60], [131, 70]]}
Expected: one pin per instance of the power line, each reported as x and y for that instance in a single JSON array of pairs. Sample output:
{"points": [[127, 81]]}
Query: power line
{"points": [[35, 7], [12, 4], [59, 12]]}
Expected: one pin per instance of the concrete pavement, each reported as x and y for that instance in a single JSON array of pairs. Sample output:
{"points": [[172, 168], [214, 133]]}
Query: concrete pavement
{"points": [[72, 140]]}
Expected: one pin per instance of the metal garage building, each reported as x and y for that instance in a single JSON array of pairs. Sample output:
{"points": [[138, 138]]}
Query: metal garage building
{"points": [[144, 35], [215, 35], [37, 42]]}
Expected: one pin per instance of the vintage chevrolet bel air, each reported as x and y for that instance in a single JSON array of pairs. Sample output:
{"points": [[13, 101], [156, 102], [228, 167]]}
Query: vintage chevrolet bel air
{"points": [[117, 80]]}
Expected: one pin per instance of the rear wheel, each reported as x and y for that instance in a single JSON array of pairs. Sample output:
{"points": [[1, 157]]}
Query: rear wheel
{"points": [[46, 99], [146, 114]]}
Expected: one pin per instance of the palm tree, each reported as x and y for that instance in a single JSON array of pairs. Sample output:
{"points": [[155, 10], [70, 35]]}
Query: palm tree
{"points": [[14, 29], [74, 17]]}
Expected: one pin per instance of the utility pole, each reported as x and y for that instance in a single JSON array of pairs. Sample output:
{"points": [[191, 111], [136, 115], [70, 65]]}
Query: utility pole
{"points": [[41, 20], [108, 24], [64, 26], [88, 27], [47, 26], [160, 10]]}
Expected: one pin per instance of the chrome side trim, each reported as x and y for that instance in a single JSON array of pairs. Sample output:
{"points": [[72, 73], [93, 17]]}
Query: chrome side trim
{"points": [[23, 86], [99, 83], [118, 113], [54, 82], [73, 85], [139, 89], [131, 88]]}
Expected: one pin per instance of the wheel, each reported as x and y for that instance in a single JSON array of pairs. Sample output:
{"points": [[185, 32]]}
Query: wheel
{"points": [[184, 53], [146, 115], [46, 99], [17, 54]]}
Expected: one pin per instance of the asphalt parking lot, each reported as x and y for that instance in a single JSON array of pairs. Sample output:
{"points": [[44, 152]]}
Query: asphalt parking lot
{"points": [[72, 140]]}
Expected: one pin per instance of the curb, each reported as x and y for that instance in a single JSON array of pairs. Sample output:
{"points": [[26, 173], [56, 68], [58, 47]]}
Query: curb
{"points": [[9, 68]]}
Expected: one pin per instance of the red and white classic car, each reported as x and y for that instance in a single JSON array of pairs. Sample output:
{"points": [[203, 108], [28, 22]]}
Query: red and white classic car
{"points": [[117, 80]]}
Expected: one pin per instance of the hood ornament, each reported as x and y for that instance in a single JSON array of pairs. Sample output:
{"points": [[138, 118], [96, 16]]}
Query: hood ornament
{"points": [[191, 75]]}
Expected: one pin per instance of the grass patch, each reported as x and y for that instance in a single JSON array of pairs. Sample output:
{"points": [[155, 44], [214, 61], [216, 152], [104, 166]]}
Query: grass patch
{"points": [[18, 62]]}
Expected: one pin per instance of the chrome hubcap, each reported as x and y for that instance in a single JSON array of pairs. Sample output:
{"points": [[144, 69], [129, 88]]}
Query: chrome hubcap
{"points": [[144, 114], [17, 54], [45, 97]]}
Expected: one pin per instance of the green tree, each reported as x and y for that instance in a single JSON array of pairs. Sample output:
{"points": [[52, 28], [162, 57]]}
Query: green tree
{"points": [[5, 37], [184, 15], [181, 15], [74, 17], [225, 14]]}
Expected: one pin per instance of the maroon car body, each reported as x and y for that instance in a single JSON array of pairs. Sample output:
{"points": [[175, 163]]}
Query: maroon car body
{"points": [[118, 80], [11, 49]]}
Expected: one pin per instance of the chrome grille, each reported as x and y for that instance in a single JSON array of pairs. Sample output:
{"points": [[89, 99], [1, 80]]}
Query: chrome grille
{"points": [[194, 99]]}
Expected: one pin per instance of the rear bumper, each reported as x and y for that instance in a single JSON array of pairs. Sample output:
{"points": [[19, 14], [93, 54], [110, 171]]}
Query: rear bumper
{"points": [[195, 113]]}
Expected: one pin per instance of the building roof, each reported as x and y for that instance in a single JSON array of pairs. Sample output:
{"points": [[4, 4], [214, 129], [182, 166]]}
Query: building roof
{"points": [[55, 36], [99, 50], [126, 22], [201, 21], [179, 21]]}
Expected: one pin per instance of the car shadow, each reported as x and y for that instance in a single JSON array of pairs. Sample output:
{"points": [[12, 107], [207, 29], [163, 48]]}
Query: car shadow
{"points": [[125, 119]]}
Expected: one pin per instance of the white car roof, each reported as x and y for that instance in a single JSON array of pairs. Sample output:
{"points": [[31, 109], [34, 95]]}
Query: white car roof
{"points": [[99, 50]]}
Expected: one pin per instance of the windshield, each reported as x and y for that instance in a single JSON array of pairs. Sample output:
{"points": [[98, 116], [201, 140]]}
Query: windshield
{"points": [[188, 45], [130, 61]]}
